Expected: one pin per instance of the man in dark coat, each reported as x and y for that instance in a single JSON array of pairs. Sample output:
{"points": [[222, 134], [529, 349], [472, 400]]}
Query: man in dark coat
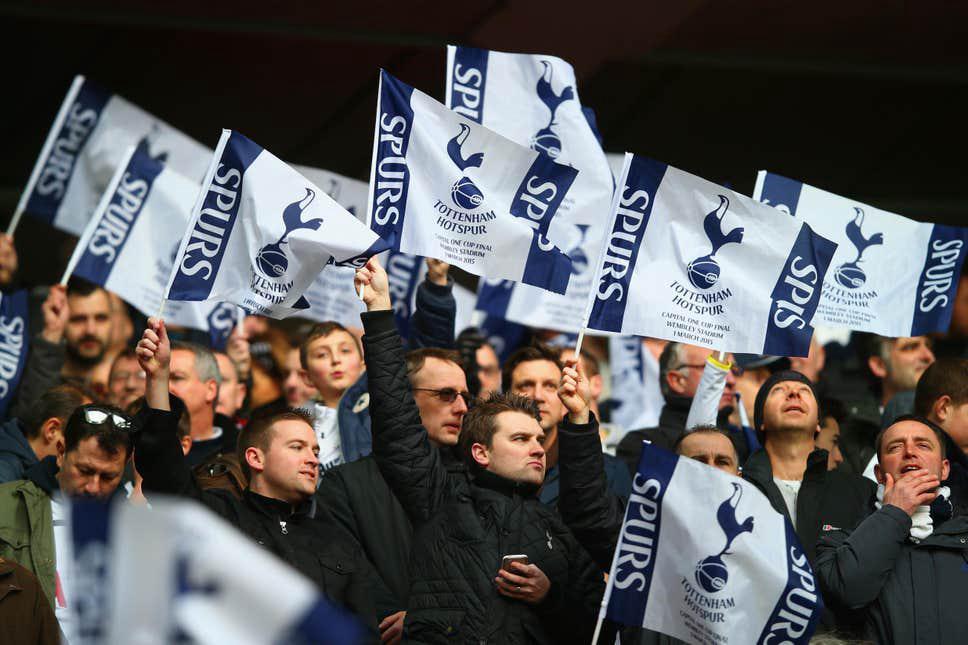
{"points": [[905, 565], [463, 527], [279, 454]]}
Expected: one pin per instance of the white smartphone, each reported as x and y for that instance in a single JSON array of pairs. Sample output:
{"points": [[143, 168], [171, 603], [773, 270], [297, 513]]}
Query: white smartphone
{"points": [[508, 559]]}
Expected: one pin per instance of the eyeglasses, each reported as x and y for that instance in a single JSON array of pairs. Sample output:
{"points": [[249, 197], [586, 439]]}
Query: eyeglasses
{"points": [[100, 416], [446, 394]]}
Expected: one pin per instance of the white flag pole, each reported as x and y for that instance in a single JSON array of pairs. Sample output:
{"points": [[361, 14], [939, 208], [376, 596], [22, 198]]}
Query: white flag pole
{"points": [[17, 214], [619, 187]]}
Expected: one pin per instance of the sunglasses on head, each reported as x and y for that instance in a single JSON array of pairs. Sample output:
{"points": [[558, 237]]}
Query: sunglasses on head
{"points": [[446, 394], [100, 416]]}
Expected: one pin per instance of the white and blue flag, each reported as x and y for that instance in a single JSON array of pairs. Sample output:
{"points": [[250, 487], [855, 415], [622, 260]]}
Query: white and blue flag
{"points": [[177, 573], [533, 100], [635, 397], [445, 187], [349, 193], [890, 275], [261, 233], [693, 262], [84, 148], [703, 557], [14, 343], [129, 245]]}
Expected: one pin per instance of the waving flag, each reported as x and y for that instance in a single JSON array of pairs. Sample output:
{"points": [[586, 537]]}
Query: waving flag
{"points": [[14, 343], [349, 193], [261, 233], [690, 261], [890, 276], [198, 593], [533, 101], [87, 144], [445, 187], [636, 399], [703, 557], [130, 243]]}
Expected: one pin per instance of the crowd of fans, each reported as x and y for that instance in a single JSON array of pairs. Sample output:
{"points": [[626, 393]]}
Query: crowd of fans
{"points": [[406, 475]]}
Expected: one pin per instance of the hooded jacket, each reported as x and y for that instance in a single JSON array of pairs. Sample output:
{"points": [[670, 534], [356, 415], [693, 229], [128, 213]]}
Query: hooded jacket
{"points": [[463, 526], [909, 591], [16, 455]]}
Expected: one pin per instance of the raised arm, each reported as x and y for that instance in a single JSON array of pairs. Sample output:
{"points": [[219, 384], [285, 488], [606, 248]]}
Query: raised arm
{"points": [[587, 507], [408, 462], [432, 322]]}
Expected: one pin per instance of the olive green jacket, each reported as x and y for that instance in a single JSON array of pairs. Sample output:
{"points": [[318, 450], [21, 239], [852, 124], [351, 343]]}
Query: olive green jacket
{"points": [[27, 525]]}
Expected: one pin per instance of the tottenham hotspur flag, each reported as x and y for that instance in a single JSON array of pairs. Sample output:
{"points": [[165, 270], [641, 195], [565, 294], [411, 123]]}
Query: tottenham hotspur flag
{"points": [[261, 233], [702, 556], [690, 261], [890, 276], [446, 187]]}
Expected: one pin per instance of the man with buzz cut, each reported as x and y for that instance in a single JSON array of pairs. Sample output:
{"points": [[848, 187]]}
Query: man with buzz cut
{"points": [[489, 561], [279, 454]]}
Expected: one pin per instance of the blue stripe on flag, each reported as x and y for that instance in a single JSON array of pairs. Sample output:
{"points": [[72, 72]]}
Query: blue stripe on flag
{"points": [[939, 280], [213, 227], [635, 554], [624, 243], [403, 274], [392, 176], [541, 192], [781, 193], [108, 240], [589, 115], [795, 615], [221, 321], [796, 294], [58, 168], [14, 343], [90, 531], [494, 297], [468, 80], [547, 267], [503, 335], [327, 624]]}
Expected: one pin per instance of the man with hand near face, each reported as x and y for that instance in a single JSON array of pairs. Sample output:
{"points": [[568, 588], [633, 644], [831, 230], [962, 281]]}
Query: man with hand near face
{"points": [[905, 565], [464, 526]]}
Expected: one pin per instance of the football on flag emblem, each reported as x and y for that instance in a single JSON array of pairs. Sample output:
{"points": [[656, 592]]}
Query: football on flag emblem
{"points": [[711, 572], [849, 274], [272, 259], [547, 140], [703, 272], [464, 193]]}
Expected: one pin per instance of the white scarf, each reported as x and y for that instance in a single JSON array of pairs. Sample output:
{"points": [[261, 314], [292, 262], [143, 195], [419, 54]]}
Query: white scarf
{"points": [[922, 524]]}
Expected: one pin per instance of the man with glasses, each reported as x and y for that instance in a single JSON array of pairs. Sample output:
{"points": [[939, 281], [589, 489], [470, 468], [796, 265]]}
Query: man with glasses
{"points": [[359, 499], [127, 380], [34, 531], [680, 370]]}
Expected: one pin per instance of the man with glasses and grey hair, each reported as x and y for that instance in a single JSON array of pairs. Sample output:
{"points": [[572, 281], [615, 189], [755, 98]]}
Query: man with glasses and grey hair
{"points": [[359, 499], [34, 530], [680, 370]]}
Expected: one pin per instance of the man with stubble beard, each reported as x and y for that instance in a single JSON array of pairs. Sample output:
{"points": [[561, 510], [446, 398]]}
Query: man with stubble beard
{"points": [[87, 334]]}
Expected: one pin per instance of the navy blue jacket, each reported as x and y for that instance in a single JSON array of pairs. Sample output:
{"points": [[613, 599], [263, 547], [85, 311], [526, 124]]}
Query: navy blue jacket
{"points": [[16, 455]]}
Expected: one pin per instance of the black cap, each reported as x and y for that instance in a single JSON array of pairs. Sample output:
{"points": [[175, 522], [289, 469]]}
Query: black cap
{"points": [[776, 377]]}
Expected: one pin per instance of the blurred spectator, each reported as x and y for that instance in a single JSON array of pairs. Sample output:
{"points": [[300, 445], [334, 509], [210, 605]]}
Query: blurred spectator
{"points": [[711, 446], [680, 370], [88, 333], [296, 390], [535, 372], [97, 444], [231, 391], [126, 381], [24, 442], [832, 414], [903, 566], [942, 398], [480, 362]]}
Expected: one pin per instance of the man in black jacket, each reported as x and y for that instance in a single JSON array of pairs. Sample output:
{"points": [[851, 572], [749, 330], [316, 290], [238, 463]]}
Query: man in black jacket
{"points": [[905, 565], [279, 453], [465, 526], [680, 370]]}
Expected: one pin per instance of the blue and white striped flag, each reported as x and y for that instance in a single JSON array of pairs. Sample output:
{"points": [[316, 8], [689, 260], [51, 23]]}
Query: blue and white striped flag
{"points": [[177, 573], [446, 187], [533, 100], [349, 193], [14, 343], [690, 261], [129, 245], [703, 557], [261, 233], [87, 144], [890, 276]]}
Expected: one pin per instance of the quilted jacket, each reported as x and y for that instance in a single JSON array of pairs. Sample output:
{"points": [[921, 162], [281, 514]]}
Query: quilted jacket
{"points": [[463, 526]]}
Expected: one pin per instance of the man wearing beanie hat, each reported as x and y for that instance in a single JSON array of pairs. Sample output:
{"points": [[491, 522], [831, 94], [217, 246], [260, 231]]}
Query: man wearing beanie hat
{"points": [[793, 474]]}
